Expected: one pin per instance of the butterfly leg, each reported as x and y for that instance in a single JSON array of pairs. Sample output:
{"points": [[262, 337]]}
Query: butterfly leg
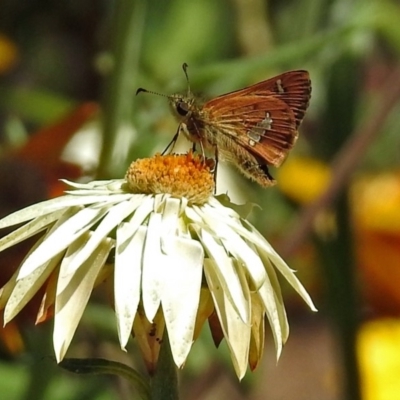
{"points": [[215, 169], [172, 143]]}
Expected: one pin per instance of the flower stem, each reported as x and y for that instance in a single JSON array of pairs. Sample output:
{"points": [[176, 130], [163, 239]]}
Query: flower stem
{"points": [[164, 383]]}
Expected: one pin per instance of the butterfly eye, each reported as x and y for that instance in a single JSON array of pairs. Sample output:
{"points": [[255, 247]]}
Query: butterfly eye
{"points": [[182, 108]]}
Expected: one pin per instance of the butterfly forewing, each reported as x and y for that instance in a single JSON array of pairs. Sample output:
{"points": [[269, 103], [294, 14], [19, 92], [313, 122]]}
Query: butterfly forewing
{"points": [[263, 118], [293, 87]]}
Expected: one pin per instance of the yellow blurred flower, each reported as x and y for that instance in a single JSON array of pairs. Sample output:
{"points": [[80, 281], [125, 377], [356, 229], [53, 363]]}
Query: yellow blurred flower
{"points": [[378, 202], [375, 198], [303, 179], [379, 356]]}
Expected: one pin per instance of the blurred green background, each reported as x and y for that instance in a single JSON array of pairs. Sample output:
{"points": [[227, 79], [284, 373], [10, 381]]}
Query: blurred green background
{"points": [[334, 215]]}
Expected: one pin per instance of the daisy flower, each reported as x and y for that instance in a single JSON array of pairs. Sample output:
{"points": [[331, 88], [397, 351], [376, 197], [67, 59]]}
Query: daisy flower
{"points": [[175, 254]]}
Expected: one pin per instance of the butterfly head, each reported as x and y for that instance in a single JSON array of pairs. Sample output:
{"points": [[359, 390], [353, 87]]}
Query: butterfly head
{"points": [[182, 106]]}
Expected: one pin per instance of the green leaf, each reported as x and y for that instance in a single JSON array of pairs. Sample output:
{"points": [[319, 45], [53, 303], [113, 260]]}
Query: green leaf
{"points": [[97, 366]]}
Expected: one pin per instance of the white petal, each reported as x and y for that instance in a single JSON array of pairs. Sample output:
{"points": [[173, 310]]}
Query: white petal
{"points": [[144, 208], [48, 206], [193, 215], [183, 267], [169, 222], [184, 203], [159, 202], [115, 215], [27, 287], [127, 278], [61, 238], [35, 210], [289, 276], [87, 185], [216, 205], [113, 186], [236, 332], [8, 288], [267, 295], [29, 229], [264, 247], [278, 299], [241, 210], [227, 274], [234, 243], [153, 268], [73, 292], [74, 251]]}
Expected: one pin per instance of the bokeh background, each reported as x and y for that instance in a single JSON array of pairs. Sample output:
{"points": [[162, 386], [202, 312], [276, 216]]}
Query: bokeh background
{"points": [[68, 76]]}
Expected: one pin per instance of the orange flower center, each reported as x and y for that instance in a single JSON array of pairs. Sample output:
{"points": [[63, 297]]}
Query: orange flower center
{"points": [[181, 175]]}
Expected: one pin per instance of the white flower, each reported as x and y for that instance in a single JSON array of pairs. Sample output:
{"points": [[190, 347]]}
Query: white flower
{"points": [[178, 256]]}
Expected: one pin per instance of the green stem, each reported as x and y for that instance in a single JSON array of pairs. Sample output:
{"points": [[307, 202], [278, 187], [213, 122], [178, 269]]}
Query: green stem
{"points": [[117, 103], [164, 383], [40, 378]]}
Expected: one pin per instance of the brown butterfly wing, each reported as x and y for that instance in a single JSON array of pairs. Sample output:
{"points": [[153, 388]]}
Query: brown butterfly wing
{"points": [[263, 118]]}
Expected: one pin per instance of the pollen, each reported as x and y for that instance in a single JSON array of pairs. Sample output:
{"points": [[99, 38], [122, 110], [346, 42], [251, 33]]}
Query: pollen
{"points": [[181, 175]]}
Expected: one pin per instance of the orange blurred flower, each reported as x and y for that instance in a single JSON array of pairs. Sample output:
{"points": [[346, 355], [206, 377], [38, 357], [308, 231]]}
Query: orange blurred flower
{"points": [[8, 54]]}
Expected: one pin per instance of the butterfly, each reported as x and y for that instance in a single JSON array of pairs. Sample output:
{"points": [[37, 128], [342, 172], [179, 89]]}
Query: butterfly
{"points": [[252, 128]]}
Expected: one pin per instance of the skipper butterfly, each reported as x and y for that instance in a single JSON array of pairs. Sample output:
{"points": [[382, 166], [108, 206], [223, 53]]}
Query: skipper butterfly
{"points": [[252, 128]]}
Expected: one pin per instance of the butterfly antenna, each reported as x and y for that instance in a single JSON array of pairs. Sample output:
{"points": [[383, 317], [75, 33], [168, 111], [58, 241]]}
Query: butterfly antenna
{"points": [[185, 67], [150, 91]]}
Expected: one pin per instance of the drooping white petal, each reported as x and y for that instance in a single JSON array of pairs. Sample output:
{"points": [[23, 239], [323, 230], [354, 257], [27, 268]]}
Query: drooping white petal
{"points": [[288, 274], [114, 217], [278, 298], [145, 207], [8, 288], [227, 274], [183, 266], [62, 237], [36, 210], [170, 217], [127, 278], [257, 331], [267, 295], [30, 229], [73, 292], [23, 270], [96, 187], [239, 210], [194, 216], [159, 202], [48, 206], [213, 205], [234, 243], [236, 332], [262, 245], [27, 287], [153, 268], [87, 185], [78, 246]]}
